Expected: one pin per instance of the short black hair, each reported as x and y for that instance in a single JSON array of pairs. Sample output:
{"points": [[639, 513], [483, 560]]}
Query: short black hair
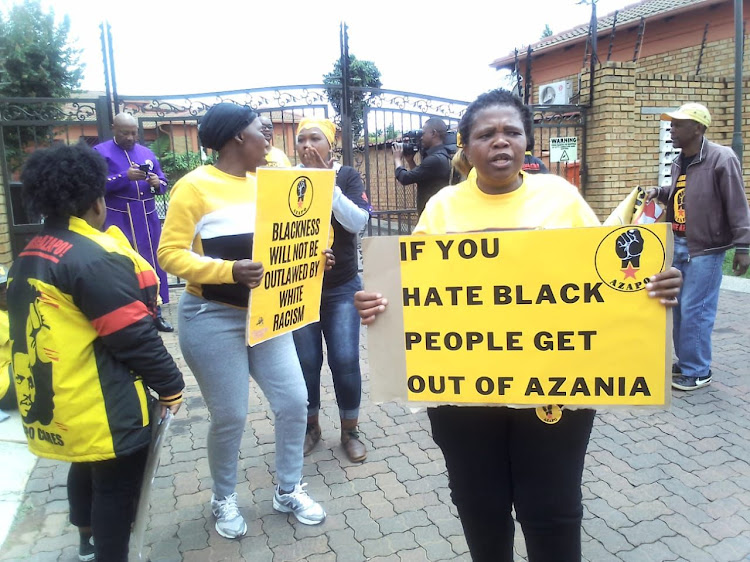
{"points": [[438, 125], [222, 122], [63, 181], [499, 97]]}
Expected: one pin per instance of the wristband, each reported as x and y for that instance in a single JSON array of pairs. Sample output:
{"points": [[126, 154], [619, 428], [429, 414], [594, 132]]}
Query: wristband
{"points": [[170, 400]]}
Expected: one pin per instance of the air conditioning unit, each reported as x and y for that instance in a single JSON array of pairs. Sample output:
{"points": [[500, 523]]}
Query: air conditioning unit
{"points": [[555, 93]]}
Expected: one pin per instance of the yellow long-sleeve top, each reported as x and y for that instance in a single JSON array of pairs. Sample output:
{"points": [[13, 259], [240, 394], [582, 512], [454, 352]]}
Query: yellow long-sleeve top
{"points": [[543, 200], [209, 226]]}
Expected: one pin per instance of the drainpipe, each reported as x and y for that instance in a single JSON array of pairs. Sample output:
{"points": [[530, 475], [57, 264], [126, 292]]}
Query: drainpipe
{"points": [[739, 40]]}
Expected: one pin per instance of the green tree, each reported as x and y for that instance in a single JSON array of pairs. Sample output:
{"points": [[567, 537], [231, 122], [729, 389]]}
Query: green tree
{"points": [[362, 74], [547, 31], [37, 60]]}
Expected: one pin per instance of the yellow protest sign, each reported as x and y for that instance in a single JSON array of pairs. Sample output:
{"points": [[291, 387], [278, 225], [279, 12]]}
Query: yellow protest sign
{"points": [[291, 231], [529, 317]]}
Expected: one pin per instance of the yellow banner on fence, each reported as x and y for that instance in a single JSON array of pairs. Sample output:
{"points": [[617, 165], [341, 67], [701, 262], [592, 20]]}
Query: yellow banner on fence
{"points": [[291, 231], [521, 317]]}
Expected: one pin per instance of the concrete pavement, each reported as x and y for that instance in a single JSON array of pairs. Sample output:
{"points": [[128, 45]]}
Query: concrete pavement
{"points": [[658, 485]]}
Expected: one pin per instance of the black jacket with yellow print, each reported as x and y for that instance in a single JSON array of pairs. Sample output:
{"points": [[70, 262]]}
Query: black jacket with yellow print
{"points": [[83, 343]]}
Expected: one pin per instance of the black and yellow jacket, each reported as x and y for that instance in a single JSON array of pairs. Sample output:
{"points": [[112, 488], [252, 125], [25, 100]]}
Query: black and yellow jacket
{"points": [[83, 343]]}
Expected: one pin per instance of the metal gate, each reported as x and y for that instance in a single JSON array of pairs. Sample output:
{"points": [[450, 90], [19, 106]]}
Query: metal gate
{"points": [[168, 125], [30, 123], [555, 121], [389, 115]]}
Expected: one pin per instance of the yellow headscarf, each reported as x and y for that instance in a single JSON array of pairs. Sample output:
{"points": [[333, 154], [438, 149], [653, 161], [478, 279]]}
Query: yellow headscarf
{"points": [[325, 125]]}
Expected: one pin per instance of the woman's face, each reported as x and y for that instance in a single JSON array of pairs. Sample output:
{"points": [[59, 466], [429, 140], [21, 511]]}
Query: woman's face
{"points": [[496, 147], [309, 142], [254, 145]]}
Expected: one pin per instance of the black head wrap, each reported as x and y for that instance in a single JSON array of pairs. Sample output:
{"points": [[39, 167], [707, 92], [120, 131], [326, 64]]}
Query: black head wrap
{"points": [[222, 122]]}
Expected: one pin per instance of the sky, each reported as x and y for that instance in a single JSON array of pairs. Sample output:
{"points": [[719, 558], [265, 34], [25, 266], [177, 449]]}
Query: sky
{"points": [[436, 47]]}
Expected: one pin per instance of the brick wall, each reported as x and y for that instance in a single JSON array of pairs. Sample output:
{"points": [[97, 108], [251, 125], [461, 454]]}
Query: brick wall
{"points": [[623, 131], [717, 60], [5, 254]]}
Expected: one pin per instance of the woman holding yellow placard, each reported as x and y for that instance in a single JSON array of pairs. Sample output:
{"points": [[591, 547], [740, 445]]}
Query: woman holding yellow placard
{"points": [[338, 317], [207, 240], [499, 458]]}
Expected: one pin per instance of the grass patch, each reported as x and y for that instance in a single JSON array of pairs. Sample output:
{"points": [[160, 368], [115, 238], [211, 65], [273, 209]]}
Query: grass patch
{"points": [[727, 267]]}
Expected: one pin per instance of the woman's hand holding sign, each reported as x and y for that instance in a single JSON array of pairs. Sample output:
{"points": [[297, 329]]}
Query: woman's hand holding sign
{"points": [[665, 286], [330, 259], [248, 272], [369, 305]]}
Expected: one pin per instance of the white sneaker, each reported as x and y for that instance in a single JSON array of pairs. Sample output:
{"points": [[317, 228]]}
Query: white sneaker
{"points": [[305, 509], [229, 521]]}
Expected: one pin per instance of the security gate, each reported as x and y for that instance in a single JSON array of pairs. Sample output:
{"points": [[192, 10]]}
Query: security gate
{"points": [[168, 125]]}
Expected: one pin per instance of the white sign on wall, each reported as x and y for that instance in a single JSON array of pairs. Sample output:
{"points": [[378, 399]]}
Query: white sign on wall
{"points": [[563, 149]]}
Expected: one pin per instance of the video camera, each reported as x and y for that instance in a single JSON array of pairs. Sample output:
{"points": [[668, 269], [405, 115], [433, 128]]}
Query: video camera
{"points": [[411, 142]]}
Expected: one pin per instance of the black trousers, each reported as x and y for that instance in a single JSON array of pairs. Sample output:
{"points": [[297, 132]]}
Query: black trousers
{"points": [[103, 495], [498, 458]]}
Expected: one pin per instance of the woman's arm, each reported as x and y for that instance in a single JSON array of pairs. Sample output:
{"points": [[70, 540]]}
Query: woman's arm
{"points": [[108, 292], [350, 205]]}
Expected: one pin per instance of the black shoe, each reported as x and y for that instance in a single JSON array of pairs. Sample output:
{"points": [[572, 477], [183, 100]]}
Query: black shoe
{"points": [[86, 549], [162, 325], [682, 382]]}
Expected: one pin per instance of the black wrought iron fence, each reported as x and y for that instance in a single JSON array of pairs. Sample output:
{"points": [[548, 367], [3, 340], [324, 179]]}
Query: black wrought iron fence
{"points": [[169, 125]]}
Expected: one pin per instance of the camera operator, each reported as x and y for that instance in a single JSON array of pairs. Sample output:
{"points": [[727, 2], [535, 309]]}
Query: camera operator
{"points": [[434, 172]]}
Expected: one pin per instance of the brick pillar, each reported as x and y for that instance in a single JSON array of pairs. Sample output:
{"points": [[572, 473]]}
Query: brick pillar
{"points": [[5, 253], [611, 151]]}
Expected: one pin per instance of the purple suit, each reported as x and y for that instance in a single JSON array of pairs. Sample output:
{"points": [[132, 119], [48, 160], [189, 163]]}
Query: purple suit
{"points": [[130, 204]]}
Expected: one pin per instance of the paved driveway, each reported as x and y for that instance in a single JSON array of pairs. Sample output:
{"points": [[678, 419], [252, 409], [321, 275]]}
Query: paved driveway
{"points": [[658, 485]]}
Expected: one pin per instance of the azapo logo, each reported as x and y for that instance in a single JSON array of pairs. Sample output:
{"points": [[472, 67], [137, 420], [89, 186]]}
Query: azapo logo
{"points": [[626, 256], [300, 196]]}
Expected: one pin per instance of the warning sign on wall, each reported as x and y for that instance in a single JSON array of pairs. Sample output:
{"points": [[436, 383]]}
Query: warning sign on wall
{"points": [[563, 149]]}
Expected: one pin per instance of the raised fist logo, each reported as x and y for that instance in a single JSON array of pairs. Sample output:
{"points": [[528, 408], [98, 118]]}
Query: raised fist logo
{"points": [[301, 190], [629, 246]]}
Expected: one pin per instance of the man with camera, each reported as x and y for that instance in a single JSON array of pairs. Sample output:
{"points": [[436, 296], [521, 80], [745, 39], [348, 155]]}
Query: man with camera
{"points": [[134, 177], [434, 171]]}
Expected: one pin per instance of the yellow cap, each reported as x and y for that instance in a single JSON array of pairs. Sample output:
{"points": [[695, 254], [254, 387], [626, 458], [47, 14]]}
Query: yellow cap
{"points": [[692, 111]]}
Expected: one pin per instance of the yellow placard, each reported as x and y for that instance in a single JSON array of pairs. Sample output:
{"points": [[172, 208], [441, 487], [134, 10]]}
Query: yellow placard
{"points": [[521, 317], [291, 231]]}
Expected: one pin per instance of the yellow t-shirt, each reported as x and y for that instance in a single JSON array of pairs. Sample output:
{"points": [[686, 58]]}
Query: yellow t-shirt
{"points": [[542, 201], [277, 159]]}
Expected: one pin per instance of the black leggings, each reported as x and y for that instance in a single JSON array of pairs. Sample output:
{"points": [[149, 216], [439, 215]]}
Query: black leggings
{"points": [[103, 495], [498, 458]]}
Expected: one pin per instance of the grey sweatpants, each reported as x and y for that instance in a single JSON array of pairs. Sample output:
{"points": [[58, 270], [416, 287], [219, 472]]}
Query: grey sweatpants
{"points": [[212, 340]]}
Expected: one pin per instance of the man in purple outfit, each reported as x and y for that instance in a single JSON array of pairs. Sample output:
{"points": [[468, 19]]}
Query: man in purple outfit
{"points": [[134, 178]]}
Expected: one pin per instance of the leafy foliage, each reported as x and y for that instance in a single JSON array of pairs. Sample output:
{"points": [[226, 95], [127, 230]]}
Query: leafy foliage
{"points": [[176, 164], [36, 60], [362, 74], [378, 136]]}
